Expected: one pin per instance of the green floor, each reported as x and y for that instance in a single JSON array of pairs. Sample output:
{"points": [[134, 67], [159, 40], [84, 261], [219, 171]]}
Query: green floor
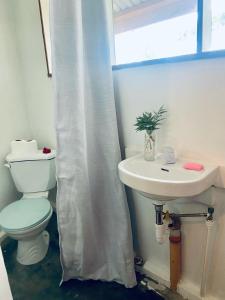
{"points": [[41, 281]]}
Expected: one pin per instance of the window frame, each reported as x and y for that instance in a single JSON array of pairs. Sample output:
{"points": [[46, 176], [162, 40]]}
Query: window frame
{"points": [[200, 54]]}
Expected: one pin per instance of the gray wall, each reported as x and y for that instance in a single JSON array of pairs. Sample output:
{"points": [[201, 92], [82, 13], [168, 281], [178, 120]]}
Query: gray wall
{"points": [[13, 113]]}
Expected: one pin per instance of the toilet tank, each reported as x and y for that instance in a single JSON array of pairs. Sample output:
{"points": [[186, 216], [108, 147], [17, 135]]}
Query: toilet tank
{"points": [[32, 170]]}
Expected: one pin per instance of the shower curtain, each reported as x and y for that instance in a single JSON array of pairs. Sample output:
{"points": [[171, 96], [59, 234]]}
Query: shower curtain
{"points": [[93, 217]]}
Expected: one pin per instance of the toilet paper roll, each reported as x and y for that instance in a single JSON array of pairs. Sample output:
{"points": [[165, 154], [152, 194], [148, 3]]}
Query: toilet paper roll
{"points": [[23, 146]]}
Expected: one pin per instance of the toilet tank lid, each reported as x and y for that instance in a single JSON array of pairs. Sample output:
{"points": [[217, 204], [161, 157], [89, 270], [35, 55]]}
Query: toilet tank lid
{"points": [[39, 155]]}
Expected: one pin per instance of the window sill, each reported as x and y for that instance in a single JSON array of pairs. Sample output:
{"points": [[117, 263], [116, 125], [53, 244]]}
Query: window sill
{"points": [[182, 58]]}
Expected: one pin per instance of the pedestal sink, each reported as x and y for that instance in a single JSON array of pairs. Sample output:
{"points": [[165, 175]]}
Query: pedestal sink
{"points": [[161, 182]]}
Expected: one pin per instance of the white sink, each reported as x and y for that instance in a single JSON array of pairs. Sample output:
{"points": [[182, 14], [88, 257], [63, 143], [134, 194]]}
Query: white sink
{"points": [[149, 178]]}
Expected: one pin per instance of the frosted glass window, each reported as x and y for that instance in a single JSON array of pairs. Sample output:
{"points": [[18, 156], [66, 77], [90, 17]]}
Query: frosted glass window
{"points": [[156, 29], [213, 25]]}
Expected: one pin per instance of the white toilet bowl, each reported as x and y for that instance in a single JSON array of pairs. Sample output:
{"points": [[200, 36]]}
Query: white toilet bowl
{"points": [[25, 220]]}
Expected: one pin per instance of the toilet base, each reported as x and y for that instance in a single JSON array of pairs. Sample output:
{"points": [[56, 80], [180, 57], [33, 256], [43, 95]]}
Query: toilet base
{"points": [[31, 251]]}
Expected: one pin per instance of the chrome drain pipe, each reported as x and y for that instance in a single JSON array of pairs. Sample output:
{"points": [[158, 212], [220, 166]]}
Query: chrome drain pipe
{"points": [[208, 216], [158, 214], [159, 226]]}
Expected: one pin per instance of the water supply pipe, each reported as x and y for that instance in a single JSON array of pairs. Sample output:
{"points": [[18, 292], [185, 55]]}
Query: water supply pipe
{"points": [[208, 253], [175, 243], [175, 253]]}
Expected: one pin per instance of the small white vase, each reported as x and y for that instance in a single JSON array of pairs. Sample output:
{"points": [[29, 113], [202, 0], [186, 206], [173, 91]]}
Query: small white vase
{"points": [[149, 147]]}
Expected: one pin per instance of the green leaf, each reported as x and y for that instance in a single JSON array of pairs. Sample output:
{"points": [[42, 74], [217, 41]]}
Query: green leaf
{"points": [[150, 120]]}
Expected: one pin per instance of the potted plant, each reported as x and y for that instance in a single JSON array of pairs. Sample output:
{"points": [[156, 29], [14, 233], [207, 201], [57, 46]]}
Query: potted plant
{"points": [[150, 122]]}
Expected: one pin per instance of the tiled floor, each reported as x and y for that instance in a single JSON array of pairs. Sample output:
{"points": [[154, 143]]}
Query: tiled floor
{"points": [[41, 281]]}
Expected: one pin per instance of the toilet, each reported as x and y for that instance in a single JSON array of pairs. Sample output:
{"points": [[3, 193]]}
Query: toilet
{"points": [[25, 220]]}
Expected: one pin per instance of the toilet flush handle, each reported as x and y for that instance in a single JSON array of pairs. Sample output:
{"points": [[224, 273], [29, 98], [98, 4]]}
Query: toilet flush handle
{"points": [[7, 166]]}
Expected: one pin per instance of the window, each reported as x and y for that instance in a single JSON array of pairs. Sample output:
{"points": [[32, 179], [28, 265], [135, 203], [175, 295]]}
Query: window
{"points": [[147, 30], [213, 25]]}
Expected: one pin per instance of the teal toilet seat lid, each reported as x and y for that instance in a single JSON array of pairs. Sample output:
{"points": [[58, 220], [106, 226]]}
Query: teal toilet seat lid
{"points": [[24, 214]]}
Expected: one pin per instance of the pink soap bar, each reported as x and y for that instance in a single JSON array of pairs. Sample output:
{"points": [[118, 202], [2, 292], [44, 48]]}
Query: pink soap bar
{"points": [[193, 166]]}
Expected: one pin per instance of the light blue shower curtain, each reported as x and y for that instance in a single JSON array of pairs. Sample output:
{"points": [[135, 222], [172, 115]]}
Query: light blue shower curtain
{"points": [[93, 217]]}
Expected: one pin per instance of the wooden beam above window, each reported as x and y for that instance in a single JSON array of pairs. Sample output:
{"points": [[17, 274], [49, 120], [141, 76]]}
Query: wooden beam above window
{"points": [[151, 11]]}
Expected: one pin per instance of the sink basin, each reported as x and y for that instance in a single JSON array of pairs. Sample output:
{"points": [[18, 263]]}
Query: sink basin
{"points": [[161, 182]]}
